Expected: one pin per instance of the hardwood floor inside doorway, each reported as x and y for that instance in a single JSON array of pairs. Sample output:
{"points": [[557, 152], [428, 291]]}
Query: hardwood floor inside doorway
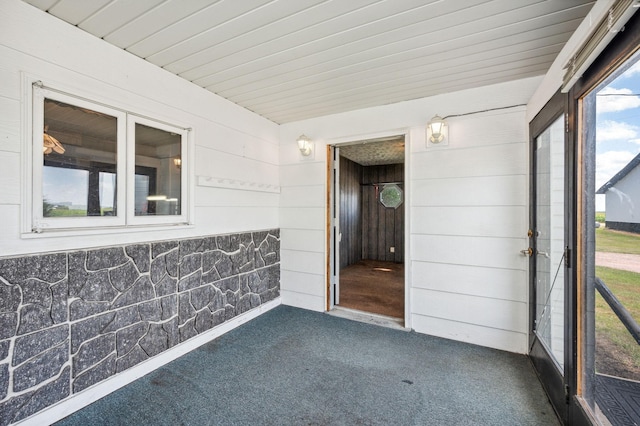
{"points": [[373, 286]]}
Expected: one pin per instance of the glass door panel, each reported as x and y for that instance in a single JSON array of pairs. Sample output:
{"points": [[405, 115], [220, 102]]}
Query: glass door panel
{"points": [[549, 241]]}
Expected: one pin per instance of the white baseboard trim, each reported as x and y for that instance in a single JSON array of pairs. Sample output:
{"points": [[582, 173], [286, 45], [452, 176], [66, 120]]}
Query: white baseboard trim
{"points": [[80, 400]]}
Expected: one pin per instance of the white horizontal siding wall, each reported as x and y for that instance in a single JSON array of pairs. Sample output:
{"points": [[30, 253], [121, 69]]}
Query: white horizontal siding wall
{"points": [[303, 239], [231, 144], [469, 222], [468, 215]]}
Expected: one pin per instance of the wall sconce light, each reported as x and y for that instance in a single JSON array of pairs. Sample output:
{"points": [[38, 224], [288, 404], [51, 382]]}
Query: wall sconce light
{"points": [[177, 162], [304, 145], [436, 129]]}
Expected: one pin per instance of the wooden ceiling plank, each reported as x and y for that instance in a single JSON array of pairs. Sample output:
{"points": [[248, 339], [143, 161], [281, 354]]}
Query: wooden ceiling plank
{"points": [[75, 12], [228, 30], [154, 20], [116, 14], [41, 4], [216, 14], [400, 40]]}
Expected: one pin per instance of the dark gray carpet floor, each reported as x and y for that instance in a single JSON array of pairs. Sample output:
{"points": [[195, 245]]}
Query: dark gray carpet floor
{"points": [[296, 367]]}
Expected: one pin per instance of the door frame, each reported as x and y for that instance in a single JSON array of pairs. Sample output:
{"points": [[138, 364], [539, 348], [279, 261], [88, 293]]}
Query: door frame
{"points": [[622, 47], [331, 247]]}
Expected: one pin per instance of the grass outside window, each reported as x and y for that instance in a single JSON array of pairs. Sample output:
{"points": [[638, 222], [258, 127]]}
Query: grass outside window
{"points": [[618, 353]]}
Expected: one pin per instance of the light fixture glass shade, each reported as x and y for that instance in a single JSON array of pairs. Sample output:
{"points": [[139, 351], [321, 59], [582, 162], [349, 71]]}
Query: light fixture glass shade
{"points": [[304, 145], [436, 128]]}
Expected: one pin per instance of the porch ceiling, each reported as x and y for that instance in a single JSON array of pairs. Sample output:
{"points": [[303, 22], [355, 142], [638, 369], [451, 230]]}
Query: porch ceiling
{"points": [[289, 60]]}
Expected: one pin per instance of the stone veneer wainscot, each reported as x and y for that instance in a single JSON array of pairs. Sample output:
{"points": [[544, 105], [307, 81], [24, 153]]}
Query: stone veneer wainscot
{"points": [[70, 320]]}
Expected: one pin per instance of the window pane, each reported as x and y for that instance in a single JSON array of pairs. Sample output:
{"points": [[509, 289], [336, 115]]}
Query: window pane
{"points": [[79, 173], [67, 189], [157, 176]]}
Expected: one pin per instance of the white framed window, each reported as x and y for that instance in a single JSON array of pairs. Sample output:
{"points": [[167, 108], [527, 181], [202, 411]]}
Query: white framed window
{"points": [[96, 166], [156, 155]]}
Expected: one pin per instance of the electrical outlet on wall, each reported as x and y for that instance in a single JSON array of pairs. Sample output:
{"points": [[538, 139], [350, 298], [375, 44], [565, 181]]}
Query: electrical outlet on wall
{"points": [[392, 249]]}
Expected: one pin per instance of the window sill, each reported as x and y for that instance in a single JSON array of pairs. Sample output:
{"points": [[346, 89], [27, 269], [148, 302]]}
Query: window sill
{"points": [[104, 230]]}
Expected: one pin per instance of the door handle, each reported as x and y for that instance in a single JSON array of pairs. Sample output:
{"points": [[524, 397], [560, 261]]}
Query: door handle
{"points": [[543, 253], [527, 252]]}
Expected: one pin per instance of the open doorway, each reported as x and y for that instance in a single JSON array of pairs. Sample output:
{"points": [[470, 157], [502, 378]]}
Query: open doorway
{"points": [[368, 188]]}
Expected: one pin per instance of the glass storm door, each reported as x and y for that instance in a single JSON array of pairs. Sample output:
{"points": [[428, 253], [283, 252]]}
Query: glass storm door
{"points": [[547, 260], [549, 241]]}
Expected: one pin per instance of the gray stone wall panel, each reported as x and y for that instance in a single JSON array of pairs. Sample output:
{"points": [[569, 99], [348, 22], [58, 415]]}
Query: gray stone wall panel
{"points": [[97, 287], [40, 368], [89, 328], [150, 311], [59, 292], [141, 291], [10, 297], [132, 358], [166, 286], [127, 338], [92, 352], [187, 330], [141, 255], [105, 258], [169, 306], [190, 264], [20, 407], [189, 247], [4, 380], [192, 281], [162, 247], [124, 276], [27, 347], [171, 259], [186, 311], [98, 373], [8, 324], [34, 317], [158, 269], [4, 350], [155, 341]]}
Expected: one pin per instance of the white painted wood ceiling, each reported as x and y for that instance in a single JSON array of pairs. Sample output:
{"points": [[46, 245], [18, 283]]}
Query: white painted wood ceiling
{"points": [[289, 60]]}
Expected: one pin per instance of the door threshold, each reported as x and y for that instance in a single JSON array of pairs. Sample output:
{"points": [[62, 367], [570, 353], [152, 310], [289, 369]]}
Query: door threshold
{"points": [[368, 318]]}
